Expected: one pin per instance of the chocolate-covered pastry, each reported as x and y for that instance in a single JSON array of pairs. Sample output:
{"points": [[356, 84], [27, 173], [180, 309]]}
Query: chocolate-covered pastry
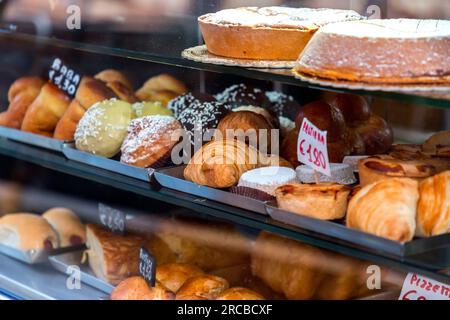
{"points": [[282, 105], [243, 95], [184, 101]]}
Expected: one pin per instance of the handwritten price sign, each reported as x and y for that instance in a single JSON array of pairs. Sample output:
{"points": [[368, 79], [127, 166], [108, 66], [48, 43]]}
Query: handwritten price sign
{"points": [[111, 218], [312, 147], [416, 287], [147, 266], [63, 77]]}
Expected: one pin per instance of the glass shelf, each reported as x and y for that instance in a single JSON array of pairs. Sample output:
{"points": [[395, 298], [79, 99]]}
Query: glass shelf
{"points": [[156, 50], [56, 161]]}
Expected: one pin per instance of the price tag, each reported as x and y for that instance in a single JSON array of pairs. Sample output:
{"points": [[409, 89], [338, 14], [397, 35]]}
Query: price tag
{"points": [[147, 266], [312, 147], [64, 77], [111, 218], [417, 287]]}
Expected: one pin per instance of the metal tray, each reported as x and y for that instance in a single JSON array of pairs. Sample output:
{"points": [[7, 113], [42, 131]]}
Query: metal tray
{"points": [[107, 164], [356, 237], [62, 261], [34, 256], [173, 178], [32, 139]]}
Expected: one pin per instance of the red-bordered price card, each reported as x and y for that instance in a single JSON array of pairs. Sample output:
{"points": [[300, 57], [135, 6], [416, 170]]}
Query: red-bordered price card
{"points": [[312, 147], [417, 287]]}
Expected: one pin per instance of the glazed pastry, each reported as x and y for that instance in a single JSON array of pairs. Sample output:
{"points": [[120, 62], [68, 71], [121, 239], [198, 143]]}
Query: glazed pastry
{"points": [[206, 286], [268, 33], [26, 231], [44, 113], [183, 102], [354, 108], [267, 179], [386, 208], [433, 143], [20, 96], [103, 128], [433, 211], [270, 118], [340, 173], [89, 92], [325, 201], [380, 51], [174, 275], [245, 126], [150, 141], [376, 134], [239, 293], [112, 257], [136, 288], [283, 105], [150, 108], [162, 82], [243, 95], [66, 223]]}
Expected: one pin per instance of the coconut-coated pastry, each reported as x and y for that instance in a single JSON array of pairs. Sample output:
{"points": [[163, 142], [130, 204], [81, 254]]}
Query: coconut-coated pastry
{"points": [[283, 105], [162, 82], [21, 94], [103, 127], [433, 211], [66, 223], [386, 208], [174, 275], [267, 179], [136, 288], [241, 94], [185, 101], [239, 293], [206, 286], [150, 141], [325, 201]]}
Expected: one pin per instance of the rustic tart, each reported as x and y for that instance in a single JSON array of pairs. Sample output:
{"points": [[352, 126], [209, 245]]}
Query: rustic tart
{"points": [[269, 33], [380, 51]]}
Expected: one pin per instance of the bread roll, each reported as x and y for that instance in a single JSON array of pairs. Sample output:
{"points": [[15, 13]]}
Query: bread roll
{"points": [[386, 208], [110, 75], [68, 226], [206, 286], [26, 231], [174, 275], [239, 293], [136, 288], [162, 82], [44, 113], [376, 134], [354, 108]]}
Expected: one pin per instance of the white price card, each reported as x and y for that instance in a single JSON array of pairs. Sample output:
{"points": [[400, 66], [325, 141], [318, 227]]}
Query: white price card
{"points": [[312, 147], [417, 287]]}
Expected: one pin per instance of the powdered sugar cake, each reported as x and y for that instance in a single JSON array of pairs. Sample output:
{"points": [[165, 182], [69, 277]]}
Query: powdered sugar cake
{"points": [[394, 51]]}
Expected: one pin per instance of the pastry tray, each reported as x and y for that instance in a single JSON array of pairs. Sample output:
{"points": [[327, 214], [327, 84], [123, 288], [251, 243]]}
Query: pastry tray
{"points": [[35, 256], [357, 238], [172, 178], [63, 261], [32, 139], [107, 164]]}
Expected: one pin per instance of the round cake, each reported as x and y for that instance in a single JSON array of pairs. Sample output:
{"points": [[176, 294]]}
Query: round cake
{"points": [[380, 51], [269, 33]]}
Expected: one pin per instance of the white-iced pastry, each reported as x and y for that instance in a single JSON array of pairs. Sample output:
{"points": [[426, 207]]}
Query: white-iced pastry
{"points": [[352, 161], [340, 173], [267, 179]]}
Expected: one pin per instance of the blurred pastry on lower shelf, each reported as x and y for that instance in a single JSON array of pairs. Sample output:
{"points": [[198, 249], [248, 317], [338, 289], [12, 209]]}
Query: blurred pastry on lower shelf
{"points": [[205, 286], [66, 223], [386, 208], [325, 201], [136, 288], [239, 293], [26, 231], [174, 275]]}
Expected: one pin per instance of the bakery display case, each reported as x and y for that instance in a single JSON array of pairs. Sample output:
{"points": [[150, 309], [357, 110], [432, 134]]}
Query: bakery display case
{"points": [[215, 150]]}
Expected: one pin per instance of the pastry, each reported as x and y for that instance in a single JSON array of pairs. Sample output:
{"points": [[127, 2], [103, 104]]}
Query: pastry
{"points": [[380, 51], [174, 275], [325, 201], [269, 116], [382, 167], [184, 101], [150, 108], [162, 82], [286, 126], [26, 231], [243, 95], [247, 126], [206, 286], [136, 288], [436, 141], [112, 257], [163, 96], [251, 193], [340, 173], [283, 105], [150, 141], [118, 83], [376, 134], [45, 111], [103, 128], [239, 293], [267, 179], [68, 226], [386, 208], [269, 33], [354, 108], [433, 210], [352, 161], [89, 92], [20, 96]]}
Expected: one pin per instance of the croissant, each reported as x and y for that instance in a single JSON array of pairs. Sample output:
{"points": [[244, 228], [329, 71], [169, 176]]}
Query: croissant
{"points": [[220, 163], [386, 208], [162, 82], [45, 111], [20, 96], [433, 211]]}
